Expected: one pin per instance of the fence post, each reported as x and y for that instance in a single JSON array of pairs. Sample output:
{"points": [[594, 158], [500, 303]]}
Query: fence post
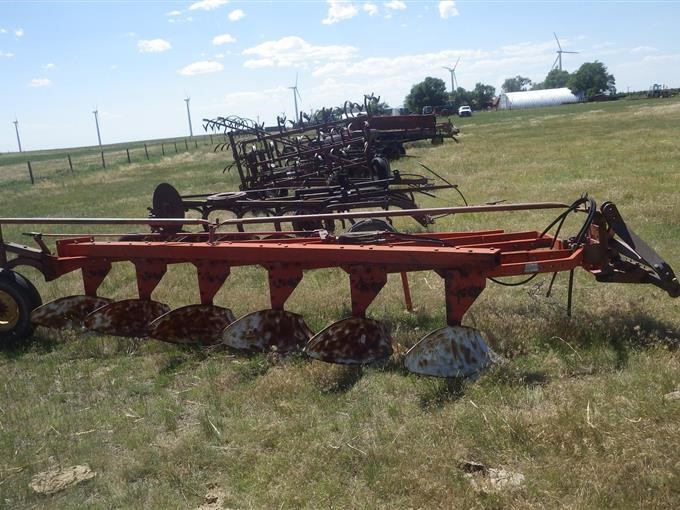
{"points": [[30, 172], [186, 145], [128, 155], [70, 163], [196, 143], [146, 151], [211, 142], [163, 149], [175, 147], [103, 160]]}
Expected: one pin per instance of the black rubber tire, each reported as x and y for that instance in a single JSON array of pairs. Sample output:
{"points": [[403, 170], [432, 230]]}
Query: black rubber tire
{"points": [[372, 225], [26, 298]]}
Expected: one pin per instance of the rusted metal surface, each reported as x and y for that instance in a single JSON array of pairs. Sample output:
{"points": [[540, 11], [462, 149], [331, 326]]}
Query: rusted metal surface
{"points": [[451, 351], [68, 311], [267, 330], [192, 324], [131, 317], [351, 341]]}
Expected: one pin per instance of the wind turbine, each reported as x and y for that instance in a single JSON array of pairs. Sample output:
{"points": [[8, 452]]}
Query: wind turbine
{"points": [[191, 130], [558, 61], [296, 95], [452, 70]]}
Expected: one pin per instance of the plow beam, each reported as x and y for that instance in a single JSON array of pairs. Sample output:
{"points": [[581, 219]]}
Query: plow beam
{"points": [[451, 351], [67, 312], [192, 324], [267, 330], [131, 317], [351, 341]]}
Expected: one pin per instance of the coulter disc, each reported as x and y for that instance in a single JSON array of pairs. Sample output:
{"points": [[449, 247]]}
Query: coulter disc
{"points": [[192, 324], [131, 317], [276, 330], [451, 351], [351, 341], [67, 311]]}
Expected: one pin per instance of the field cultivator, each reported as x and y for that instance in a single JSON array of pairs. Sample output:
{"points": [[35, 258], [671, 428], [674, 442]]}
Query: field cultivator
{"points": [[603, 246]]}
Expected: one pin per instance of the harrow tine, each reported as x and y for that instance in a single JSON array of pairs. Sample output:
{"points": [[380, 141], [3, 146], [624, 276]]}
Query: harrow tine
{"points": [[451, 351], [192, 324], [131, 317], [351, 341], [265, 330], [66, 312]]}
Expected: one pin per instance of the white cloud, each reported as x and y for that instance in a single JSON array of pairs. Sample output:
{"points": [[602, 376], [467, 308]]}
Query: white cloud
{"points": [[223, 39], [293, 50], [173, 13], [113, 67], [643, 49], [40, 82], [153, 45], [181, 20], [236, 15], [207, 5], [370, 8], [201, 67], [3, 30], [395, 5], [339, 10], [19, 32], [447, 9], [49, 66], [6, 54]]}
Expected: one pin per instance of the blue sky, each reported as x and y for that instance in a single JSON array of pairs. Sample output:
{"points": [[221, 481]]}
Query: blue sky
{"points": [[136, 61]]}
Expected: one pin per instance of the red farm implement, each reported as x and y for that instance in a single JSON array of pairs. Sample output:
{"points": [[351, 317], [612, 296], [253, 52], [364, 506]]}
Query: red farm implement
{"points": [[604, 246]]}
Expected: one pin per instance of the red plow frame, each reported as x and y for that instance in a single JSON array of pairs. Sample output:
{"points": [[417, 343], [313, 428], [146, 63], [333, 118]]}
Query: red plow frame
{"points": [[604, 246]]}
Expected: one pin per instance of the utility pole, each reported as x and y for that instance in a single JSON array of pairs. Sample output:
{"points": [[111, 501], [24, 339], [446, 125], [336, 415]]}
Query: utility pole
{"points": [[16, 127], [191, 130], [96, 120]]}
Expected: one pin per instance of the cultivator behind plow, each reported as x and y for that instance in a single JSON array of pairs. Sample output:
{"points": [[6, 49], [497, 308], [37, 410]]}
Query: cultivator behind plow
{"points": [[604, 246]]}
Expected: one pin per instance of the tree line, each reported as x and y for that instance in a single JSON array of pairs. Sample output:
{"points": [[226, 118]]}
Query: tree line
{"points": [[591, 79]]}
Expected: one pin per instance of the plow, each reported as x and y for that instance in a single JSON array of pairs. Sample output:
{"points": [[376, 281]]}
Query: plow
{"points": [[603, 246], [333, 164]]}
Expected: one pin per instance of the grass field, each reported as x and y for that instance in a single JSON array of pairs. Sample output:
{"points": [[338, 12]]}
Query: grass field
{"points": [[575, 405]]}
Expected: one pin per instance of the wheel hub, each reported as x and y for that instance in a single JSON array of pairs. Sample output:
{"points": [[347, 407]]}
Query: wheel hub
{"points": [[9, 311]]}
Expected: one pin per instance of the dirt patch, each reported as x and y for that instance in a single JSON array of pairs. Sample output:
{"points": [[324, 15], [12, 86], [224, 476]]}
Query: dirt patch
{"points": [[58, 479], [213, 500], [488, 479]]}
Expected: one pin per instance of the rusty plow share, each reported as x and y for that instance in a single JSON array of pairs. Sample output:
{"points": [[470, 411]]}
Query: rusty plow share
{"points": [[604, 246]]}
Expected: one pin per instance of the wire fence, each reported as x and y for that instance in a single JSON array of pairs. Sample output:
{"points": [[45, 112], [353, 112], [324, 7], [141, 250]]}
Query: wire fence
{"points": [[36, 165]]}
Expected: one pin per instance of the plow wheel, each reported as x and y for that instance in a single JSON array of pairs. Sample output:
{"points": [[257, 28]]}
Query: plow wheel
{"points": [[17, 298], [351, 341], [451, 351], [192, 324], [275, 330], [167, 203]]}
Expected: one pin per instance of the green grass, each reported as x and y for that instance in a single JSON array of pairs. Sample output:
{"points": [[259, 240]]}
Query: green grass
{"points": [[576, 405]]}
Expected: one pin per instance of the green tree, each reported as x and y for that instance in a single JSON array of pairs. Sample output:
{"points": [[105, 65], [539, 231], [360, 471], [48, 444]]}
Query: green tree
{"points": [[556, 79], [516, 84], [430, 92], [482, 94], [592, 78]]}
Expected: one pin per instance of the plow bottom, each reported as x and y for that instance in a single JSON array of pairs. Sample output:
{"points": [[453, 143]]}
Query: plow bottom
{"points": [[276, 330], [451, 351], [192, 324]]}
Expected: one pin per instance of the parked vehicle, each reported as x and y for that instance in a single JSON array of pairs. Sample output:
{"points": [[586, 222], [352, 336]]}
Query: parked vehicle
{"points": [[465, 111]]}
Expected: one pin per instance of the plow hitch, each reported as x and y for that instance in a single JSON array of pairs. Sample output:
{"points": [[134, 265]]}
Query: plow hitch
{"points": [[465, 260]]}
